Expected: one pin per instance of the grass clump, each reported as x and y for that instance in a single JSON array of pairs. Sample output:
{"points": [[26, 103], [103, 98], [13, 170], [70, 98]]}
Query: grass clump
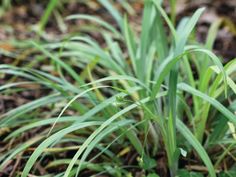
{"points": [[129, 98]]}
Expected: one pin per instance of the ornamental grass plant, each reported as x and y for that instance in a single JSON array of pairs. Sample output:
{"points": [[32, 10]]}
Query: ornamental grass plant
{"points": [[120, 107]]}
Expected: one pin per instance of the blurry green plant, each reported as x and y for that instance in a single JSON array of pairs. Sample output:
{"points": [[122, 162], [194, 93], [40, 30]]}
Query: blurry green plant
{"points": [[4, 6], [157, 99]]}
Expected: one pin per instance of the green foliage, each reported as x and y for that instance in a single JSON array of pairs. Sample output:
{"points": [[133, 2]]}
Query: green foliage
{"points": [[141, 106]]}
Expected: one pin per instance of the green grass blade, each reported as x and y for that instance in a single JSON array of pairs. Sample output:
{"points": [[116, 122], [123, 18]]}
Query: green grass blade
{"points": [[130, 42], [197, 146], [229, 115], [94, 19], [104, 133], [50, 140], [15, 113], [165, 16], [97, 131], [60, 62], [19, 149], [68, 119], [116, 15], [44, 19]]}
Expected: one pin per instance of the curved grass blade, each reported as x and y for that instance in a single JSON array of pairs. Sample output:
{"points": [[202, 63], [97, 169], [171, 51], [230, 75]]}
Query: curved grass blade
{"points": [[196, 145], [59, 62], [100, 136], [71, 101], [12, 153], [52, 139], [170, 62], [14, 113], [41, 123], [116, 15], [118, 77], [103, 126], [94, 19], [229, 115]]}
